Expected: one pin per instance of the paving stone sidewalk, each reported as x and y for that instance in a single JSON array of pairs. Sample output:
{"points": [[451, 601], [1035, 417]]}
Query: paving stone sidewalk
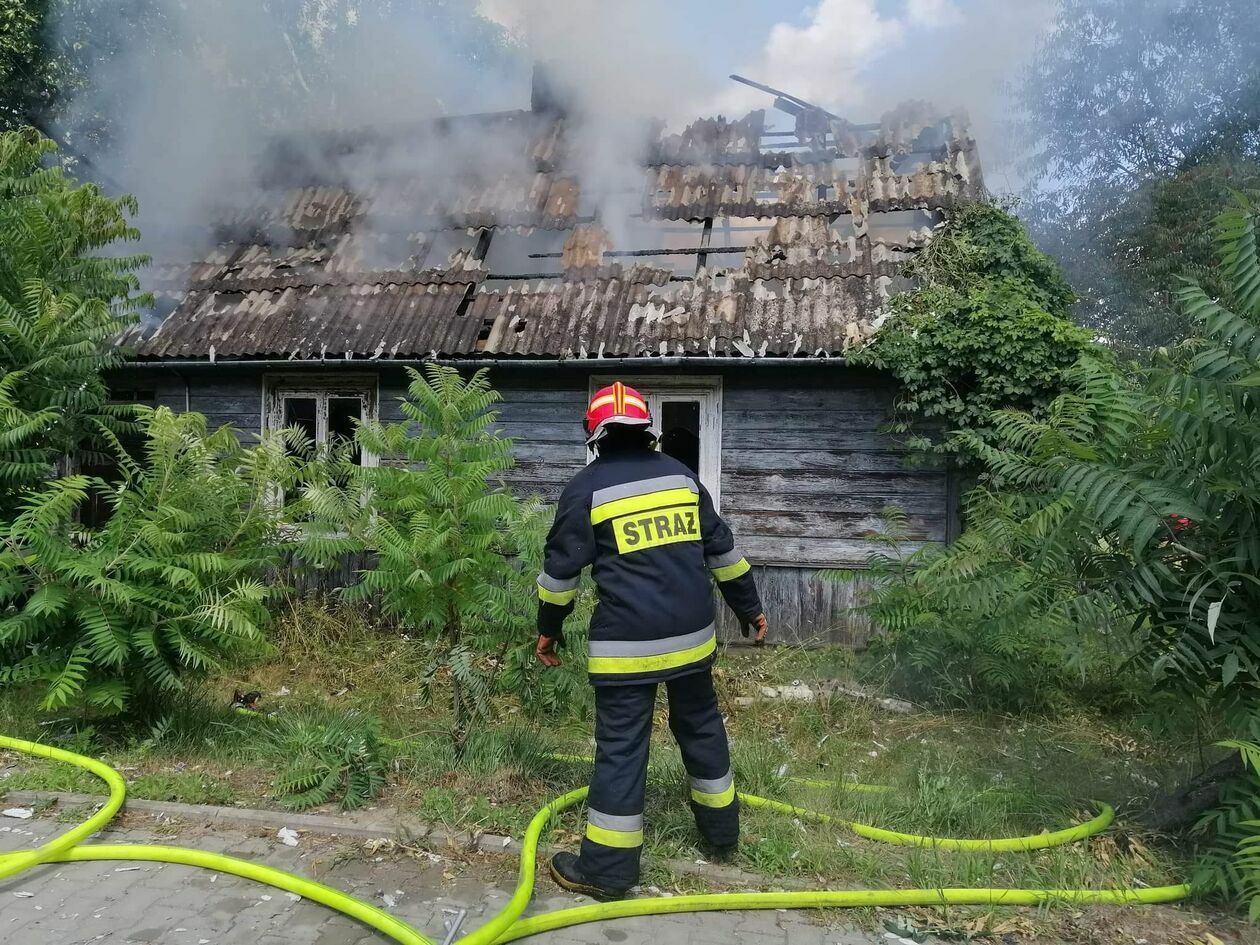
{"points": [[149, 903]]}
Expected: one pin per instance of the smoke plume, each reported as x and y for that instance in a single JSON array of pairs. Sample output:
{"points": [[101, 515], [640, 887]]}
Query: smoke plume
{"points": [[186, 113]]}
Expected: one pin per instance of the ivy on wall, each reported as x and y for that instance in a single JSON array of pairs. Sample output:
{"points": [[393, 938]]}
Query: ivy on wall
{"points": [[986, 328]]}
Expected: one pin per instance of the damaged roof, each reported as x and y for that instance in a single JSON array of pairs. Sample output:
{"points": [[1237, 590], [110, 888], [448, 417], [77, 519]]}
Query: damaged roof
{"points": [[741, 242]]}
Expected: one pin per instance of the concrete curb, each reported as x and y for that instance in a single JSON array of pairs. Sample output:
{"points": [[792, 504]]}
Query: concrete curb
{"points": [[366, 825]]}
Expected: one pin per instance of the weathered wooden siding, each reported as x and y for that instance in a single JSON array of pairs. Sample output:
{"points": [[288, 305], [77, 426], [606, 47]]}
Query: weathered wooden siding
{"points": [[804, 608], [544, 420], [806, 470], [228, 395]]}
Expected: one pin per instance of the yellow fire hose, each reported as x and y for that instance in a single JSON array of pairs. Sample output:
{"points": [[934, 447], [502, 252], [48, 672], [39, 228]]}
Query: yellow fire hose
{"points": [[508, 925]]}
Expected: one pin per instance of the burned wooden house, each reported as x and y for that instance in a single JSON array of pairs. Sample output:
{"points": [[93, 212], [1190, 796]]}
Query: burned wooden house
{"points": [[726, 282]]}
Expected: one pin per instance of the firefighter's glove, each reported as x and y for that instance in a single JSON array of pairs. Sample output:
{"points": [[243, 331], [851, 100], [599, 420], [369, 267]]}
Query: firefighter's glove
{"points": [[546, 649], [757, 623]]}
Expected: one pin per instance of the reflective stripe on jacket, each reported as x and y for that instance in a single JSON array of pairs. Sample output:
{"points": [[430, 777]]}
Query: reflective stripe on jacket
{"points": [[647, 528]]}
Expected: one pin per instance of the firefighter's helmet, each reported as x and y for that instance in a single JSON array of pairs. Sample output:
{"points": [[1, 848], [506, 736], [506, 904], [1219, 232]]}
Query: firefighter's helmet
{"points": [[615, 404]]}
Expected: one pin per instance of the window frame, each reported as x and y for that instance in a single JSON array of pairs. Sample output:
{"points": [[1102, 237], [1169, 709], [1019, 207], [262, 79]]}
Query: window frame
{"points": [[659, 389], [322, 388]]}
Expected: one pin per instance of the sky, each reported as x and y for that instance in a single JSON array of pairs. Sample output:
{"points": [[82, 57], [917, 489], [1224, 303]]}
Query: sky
{"points": [[858, 58]]}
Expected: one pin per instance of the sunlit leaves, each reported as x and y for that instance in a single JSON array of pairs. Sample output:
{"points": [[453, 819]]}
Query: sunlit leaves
{"points": [[172, 583]]}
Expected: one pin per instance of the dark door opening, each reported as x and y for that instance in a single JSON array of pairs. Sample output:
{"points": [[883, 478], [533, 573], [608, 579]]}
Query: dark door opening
{"points": [[680, 432]]}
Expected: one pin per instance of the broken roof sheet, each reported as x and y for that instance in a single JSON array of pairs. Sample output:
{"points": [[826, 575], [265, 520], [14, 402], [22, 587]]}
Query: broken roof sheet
{"points": [[397, 267]]}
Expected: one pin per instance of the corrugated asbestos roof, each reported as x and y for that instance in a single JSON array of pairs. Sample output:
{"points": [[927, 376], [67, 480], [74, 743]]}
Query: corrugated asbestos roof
{"points": [[390, 271]]}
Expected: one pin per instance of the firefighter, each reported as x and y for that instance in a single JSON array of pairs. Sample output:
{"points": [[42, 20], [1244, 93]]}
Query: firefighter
{"points": [[646, 526]]}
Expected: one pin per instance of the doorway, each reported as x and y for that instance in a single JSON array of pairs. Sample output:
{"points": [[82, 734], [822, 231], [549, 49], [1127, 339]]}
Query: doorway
{"points": [[687, 415]]}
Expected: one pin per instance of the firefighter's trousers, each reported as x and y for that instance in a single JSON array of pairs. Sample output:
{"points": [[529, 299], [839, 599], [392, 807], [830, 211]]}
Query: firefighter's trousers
{"points": [[623, 728]]}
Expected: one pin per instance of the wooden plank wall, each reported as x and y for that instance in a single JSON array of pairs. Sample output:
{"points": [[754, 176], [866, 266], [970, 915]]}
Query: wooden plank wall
{"points": [[806, 470], [804, 608], [228, 395]]}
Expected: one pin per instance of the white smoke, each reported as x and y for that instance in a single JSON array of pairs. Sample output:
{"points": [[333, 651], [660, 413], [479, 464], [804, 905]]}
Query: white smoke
{"points": [[184, 114], [193, 94], [860, 58], [192, 107]]}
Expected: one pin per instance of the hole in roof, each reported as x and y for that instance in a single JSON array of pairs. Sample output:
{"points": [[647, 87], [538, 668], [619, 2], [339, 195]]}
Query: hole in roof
{"points": [[842, 227], [466, 302], [898, 226], [766, 196], [641, 241], [441, 245], [526, 251], [739, 231], [518, 326], [374, 251], [911, 163], [715, 261]]}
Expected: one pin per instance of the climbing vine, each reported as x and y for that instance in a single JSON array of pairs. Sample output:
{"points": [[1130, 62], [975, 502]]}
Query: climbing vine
{"points": [[985, 328]]}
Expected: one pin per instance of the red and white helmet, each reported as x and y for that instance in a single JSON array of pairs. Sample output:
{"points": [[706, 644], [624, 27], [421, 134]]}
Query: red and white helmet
{"points": [[617, 404]]}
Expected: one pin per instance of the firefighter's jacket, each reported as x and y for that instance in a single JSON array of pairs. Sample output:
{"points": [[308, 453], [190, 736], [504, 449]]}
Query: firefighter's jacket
{"points": [[648, 529]]}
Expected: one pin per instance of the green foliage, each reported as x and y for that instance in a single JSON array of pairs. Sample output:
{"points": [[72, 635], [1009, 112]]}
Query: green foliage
{"points": [[172, 583], [986, 329], [1161, 233], [1136, 148], [982, 245], [63, 302], [325, 754], [1230, 862], [1007, 618], [1185, 445], [1127, 501], [52, 229], [23, 62], [435, 516], [555, 692]]}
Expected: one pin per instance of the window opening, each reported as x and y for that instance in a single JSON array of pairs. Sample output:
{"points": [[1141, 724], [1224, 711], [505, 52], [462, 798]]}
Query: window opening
{"points": [[344, 415], [301, 412], [325, 409], [680, 432]]}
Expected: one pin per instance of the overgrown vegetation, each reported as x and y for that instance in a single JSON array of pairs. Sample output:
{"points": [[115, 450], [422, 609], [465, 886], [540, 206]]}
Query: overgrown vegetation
{"points": [[65, 294], [1006, 620], [327, 755], [987, 327], [173, 582], [1117, 528], [443, 532]]}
